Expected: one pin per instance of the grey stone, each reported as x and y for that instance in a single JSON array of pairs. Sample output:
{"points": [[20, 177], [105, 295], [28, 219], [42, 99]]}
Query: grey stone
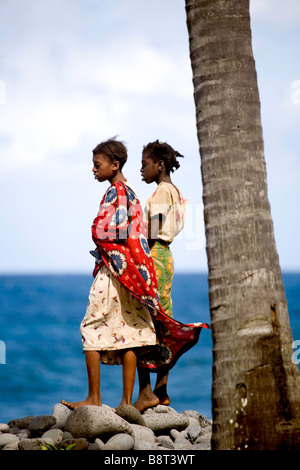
{"points": [[194, 433], [23, 433], [4, 427], [80, 443], [61, 413], [11, 446], [55, 434], [204, 445], [21, 422], [145, 445], [111, 446], [164, 441], [204, 422], [192, 422], [90, 421], [166, 421], [67, 435], [193, 414], [164, 409], [175, 433], [130, 414], [142, 433], [33, 444], [99, 442], [182, 444], [123, 441], [14, 430], [95, 445], [7, 438], [40, 424]]}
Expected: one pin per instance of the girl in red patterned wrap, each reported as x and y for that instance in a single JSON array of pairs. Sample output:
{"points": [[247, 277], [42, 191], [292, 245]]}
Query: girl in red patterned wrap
{"points": [[124, 321]]}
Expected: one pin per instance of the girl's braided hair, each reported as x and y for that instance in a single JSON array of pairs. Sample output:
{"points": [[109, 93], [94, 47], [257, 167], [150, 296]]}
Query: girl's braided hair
{"points": [[163, 151], [113, 149]]}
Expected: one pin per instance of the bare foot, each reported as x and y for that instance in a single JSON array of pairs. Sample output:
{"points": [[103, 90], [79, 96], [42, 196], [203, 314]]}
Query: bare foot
{"points": [[78, 404], [146, 400], [161, 393]]}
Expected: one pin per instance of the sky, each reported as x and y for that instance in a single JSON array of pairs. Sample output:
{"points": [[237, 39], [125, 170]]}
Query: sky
{"points": [[76, 72]]}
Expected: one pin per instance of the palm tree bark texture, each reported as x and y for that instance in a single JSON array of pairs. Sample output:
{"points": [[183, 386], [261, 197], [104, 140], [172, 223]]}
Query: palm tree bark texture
{"points": [[255, 390]]}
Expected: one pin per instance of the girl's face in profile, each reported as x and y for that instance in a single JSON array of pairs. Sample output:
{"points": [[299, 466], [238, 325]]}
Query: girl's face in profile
{"points": [[149, 169], [103, 168]]}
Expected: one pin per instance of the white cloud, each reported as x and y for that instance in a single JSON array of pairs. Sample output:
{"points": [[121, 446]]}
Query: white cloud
{"points": [[276, 13]]}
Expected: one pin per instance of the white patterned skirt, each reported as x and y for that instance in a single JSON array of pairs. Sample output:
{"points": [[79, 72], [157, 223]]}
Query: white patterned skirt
{"points": [[114, 320]]}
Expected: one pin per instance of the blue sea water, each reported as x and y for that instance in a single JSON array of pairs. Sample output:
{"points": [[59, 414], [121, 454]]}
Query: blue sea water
{"points": [[44, 363]]}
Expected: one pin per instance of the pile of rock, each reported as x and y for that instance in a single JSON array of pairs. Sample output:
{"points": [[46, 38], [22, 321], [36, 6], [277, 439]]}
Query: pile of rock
{"points": [[105, 428]]}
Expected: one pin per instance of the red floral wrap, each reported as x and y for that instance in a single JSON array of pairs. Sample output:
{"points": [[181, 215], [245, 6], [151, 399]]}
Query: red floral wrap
{"points": [[119, 234]]}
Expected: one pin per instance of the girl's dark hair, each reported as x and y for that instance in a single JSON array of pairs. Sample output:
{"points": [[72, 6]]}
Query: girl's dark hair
{"points": [[163, 151], [113, 149]]}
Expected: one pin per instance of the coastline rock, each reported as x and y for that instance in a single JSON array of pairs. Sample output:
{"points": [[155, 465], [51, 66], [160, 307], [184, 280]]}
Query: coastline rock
{"points": [[166, 421], [21, 423], [40, 424], [4, 427], [104, 428], [81, 443], [122, 441], [34, 444], [130, 414], [61, 413], [7, 438], [142, 433], [55, 434], [90, 421]]}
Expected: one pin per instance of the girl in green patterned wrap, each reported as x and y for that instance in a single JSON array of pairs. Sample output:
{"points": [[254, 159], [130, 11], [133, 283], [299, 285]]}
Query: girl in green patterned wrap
{"points": [[165, 211]]}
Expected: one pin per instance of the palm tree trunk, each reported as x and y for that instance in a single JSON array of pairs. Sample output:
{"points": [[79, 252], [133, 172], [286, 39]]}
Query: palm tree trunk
{"points": [[255, 392]]}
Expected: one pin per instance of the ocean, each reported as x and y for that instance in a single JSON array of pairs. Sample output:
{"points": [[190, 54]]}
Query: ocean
{"points": [[41, 359]]}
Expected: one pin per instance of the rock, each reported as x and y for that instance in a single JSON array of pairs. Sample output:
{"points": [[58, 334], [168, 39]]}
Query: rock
{"points": [[81, 443], [122, 441], [194, 433], [67, 435], [111, 446], [165, 441], [163, 409], [4, 427], [180, 442], [145, 445], [204, 445], [142, 433], [166, 421], [40, 424], [14, 430], [204, 422], [21, 423], [23, 434], [11, 446], [192, 422], [97, 445], [90, 421], [34, 444], [7, 438], [55, 434], [61, 413], [99, 442], [130, 414]]}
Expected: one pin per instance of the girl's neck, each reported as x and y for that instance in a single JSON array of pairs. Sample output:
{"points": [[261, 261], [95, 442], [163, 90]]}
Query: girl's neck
{"points": [[118, 177], [164, 178]]}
